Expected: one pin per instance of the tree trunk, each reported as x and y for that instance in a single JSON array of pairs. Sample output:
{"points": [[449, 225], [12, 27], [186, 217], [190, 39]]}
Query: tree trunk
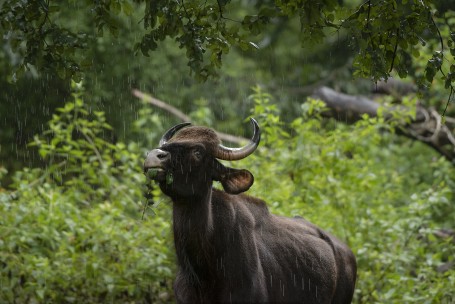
{"points": [[427, 126]]}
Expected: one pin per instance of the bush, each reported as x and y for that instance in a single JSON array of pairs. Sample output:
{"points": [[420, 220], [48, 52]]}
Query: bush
{"points": [[72, 231], [384, 197]]}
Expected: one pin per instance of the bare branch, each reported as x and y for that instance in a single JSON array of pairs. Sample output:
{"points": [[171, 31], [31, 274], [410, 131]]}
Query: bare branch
{"points": [[428, 126], [182, 116], [162, 105]]}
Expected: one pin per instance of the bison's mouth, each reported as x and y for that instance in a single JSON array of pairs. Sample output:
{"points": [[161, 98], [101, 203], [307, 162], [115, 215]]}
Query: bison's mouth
{"points": [[160, 175], [155, 173]]}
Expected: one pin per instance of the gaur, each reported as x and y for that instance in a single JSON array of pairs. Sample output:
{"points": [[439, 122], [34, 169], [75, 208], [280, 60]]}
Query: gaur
{"points": [[230, 248]]}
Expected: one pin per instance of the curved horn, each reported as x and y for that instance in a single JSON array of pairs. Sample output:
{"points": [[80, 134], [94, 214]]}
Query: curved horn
{"points": [[169, 133], [226, 153]]}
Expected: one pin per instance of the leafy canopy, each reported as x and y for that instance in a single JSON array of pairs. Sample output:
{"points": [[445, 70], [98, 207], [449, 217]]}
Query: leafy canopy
{"points": [[386, 35]]}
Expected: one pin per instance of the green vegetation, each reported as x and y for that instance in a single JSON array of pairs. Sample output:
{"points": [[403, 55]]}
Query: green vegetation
{"points": [[80, 224], [76, 230], [357, 183], [46, 43], [72, 232], [388, 34]]}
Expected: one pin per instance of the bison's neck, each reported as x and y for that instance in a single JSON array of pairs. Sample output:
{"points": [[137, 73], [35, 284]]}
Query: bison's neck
{"points": [[193, 230]]}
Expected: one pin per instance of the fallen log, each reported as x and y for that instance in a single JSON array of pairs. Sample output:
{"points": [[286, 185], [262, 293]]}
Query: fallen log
{"points": [[427, 126]]}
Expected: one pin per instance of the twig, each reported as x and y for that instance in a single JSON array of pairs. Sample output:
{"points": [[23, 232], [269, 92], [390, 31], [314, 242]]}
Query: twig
{"points": [[395, 50], [437, 117], [38, 180], [182, 116], [448, 101], [90, 141], [220, 11], [162, 105]]}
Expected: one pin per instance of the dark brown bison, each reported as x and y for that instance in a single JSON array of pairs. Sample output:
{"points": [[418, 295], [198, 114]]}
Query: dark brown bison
{"points": [[229, 247]]}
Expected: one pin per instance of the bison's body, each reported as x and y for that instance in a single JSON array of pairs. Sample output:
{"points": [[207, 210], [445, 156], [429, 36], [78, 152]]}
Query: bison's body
{"points": [[231, 249], [246, 254]]}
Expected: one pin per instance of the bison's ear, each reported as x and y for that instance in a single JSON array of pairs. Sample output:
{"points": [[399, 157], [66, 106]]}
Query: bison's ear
{"points": [[234, 181]]}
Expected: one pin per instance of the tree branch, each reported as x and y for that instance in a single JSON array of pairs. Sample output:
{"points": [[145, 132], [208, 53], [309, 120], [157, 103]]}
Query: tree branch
{"points": [[182, 116], [427, 126], [162, 105]]}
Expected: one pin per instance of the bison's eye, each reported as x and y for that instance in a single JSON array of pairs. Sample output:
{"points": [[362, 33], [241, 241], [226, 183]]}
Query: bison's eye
{"points": [[198, 153]]}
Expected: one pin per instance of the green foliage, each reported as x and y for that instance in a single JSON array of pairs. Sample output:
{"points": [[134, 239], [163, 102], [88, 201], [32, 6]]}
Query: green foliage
{"points": [[71, 232], [358, 183], [77, 154], [39, 41], [199, 28], [110, 69], [437, 64], [70, 228], [33, 31], [386, 35]]}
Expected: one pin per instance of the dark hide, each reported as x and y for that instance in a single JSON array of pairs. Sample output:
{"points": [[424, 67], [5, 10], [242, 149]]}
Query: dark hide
{"points": [[229, 247]]}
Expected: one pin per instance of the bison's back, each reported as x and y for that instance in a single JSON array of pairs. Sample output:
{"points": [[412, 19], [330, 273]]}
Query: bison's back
{"points": [[332, 263], [267, 258], [298, 265]]}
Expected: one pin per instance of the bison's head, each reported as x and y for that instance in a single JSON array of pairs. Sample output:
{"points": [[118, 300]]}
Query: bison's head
{"points": [[186, 162]]}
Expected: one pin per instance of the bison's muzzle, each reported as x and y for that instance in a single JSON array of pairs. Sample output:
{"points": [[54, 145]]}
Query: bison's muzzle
{"points": [[155, 163]]}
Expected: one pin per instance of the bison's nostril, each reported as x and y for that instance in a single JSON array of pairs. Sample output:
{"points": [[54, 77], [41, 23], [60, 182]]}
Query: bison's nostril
{"points": [[156, 158], [162, 155]]}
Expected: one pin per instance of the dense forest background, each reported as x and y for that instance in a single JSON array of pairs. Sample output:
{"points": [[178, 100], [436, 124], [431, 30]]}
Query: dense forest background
{"points": [[75, 226]]}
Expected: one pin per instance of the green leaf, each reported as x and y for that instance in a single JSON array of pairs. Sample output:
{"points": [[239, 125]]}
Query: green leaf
{"points": [[127, 8]]}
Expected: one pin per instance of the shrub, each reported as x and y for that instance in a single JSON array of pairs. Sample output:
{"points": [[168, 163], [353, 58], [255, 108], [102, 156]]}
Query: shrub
{"points": [[72, 230], [386, 198]]}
